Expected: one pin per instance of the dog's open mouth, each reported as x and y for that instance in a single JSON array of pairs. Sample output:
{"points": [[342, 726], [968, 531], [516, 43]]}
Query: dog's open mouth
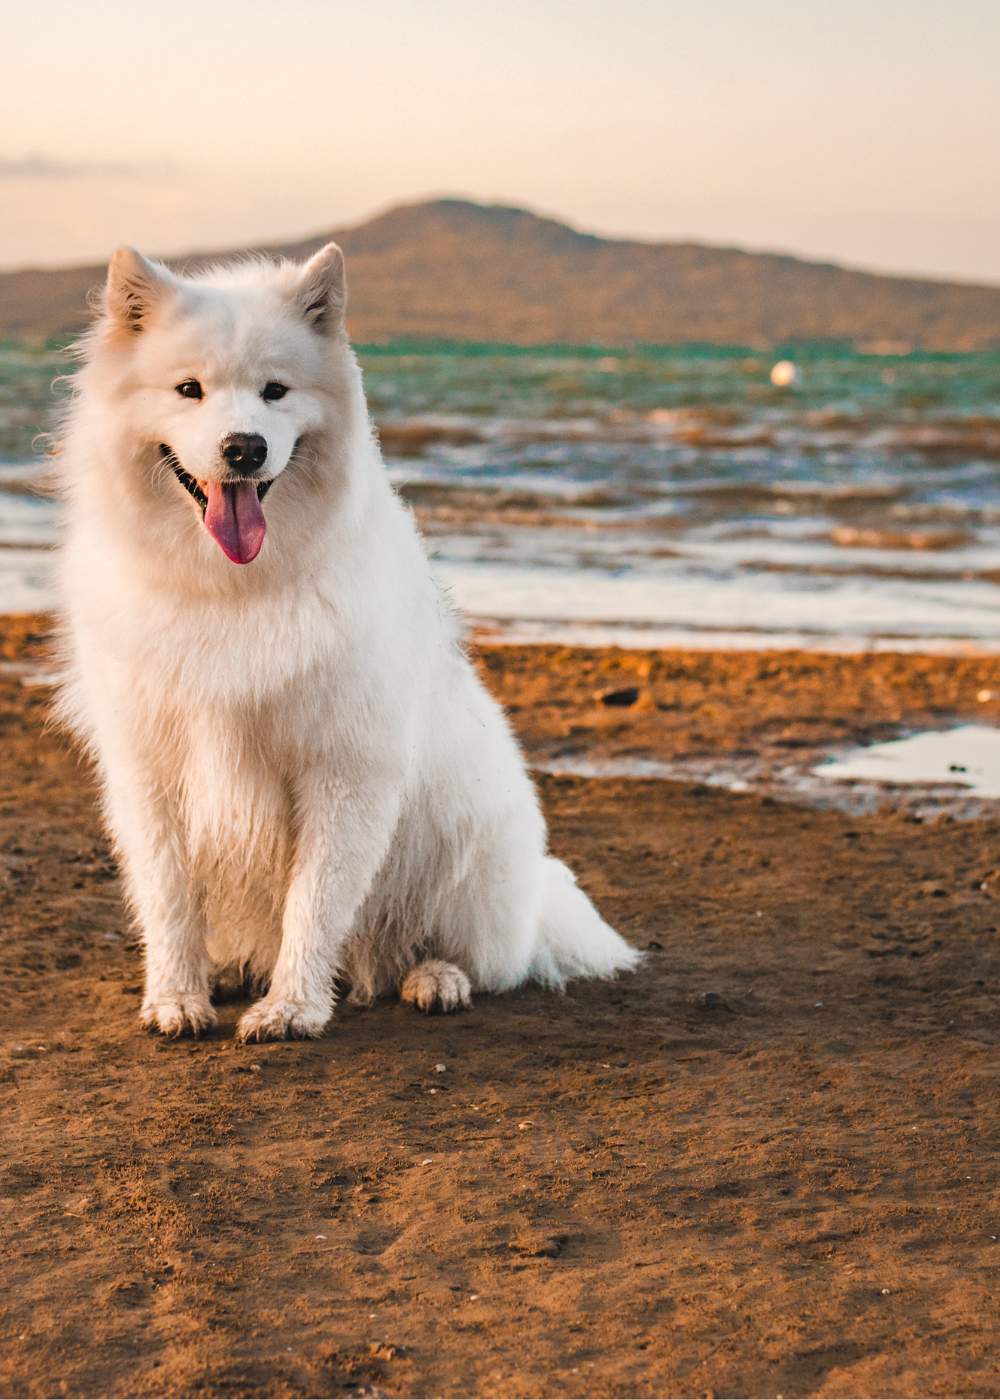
{"points": [[231, 510]]}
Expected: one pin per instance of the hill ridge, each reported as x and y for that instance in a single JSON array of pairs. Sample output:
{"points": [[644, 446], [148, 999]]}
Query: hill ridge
{"points": [[457, 269]]}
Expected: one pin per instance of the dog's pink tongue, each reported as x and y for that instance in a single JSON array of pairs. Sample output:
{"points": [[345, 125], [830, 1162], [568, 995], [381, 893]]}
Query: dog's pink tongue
{"points": [[234, 519]]}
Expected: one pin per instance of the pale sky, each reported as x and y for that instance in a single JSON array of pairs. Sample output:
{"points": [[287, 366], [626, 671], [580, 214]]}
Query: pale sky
{"points": [[866, 131]]}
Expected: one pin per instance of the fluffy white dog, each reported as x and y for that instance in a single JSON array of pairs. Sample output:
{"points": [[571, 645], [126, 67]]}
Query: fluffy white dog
{"points": [[304, 778]]}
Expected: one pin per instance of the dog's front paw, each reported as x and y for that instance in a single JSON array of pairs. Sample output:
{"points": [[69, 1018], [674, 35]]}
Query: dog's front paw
{"points": [[282, 1019], [177, 1014]]}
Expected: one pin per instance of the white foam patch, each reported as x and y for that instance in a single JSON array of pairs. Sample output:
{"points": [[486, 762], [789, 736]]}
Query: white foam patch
{"points": [[819, 608], [967, 757]]}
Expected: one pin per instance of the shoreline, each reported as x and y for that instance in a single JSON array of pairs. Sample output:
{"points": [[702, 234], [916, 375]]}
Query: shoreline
{"points": [[764, 721], [834, 693]]}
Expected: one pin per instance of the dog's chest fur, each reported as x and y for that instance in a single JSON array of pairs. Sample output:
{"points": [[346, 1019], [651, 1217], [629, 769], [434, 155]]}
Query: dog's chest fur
{"points": [[234, 787]]}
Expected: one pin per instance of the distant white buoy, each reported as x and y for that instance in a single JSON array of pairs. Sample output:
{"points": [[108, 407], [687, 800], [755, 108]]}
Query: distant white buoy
{"points": [[783, 374]]}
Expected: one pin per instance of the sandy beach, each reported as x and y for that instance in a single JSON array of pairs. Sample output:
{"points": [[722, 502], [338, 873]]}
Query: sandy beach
{"points": [[764, 1165]]}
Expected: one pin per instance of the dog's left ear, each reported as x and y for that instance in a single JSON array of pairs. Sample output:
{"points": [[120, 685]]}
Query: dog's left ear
{"points": [[322, 290], [134, 287]]}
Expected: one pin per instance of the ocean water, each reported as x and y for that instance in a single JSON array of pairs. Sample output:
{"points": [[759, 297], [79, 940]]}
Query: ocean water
{"points": [[658, 497]]}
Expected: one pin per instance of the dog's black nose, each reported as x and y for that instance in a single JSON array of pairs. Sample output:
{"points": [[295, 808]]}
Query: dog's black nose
{"points": [[245, 453]]}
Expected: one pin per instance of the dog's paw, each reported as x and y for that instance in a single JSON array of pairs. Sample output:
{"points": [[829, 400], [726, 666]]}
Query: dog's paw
{"points": [[282, 1019], [184, 1013], [437, 986]]}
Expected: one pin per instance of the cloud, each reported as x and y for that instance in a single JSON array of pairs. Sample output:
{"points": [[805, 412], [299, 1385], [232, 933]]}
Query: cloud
{"points": [[38, 167]]}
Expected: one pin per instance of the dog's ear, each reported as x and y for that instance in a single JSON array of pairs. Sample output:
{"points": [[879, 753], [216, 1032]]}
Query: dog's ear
{"points": [[321, 292], [133, 288]]}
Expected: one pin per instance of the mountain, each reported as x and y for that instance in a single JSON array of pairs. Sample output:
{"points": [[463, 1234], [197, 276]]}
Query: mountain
{"points": [[449, 268]]}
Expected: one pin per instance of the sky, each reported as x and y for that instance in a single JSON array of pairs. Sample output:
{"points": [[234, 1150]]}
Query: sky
{"points": [[867, 133]]}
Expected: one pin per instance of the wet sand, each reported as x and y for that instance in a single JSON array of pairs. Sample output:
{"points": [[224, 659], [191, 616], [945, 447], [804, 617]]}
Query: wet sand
{"points": [[764, 1165]]}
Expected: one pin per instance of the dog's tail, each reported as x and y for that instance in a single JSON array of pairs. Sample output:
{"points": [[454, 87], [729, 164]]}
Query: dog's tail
{"points": [[574, 941]]}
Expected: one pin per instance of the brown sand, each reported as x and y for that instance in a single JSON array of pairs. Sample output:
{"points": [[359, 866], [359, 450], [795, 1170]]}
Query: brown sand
{"points": [[765, 1165]]}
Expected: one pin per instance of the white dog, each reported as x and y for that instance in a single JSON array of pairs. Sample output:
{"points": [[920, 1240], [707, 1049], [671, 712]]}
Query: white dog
{"points": [[304, 778]]}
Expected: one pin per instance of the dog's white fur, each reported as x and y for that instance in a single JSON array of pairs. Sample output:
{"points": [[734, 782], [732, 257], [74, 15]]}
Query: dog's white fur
{"points": [[303, 775]]}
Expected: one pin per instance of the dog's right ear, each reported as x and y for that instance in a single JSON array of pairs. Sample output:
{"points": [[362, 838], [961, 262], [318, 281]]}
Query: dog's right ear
{"points": [[133, 288], [321, 292]]}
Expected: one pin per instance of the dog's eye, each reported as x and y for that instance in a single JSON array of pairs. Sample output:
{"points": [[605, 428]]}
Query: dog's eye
{"points": [[190, 389], [272, 390]]}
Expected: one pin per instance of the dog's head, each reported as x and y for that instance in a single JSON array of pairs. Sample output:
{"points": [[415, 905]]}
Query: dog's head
{"points": [[219, 380]]}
